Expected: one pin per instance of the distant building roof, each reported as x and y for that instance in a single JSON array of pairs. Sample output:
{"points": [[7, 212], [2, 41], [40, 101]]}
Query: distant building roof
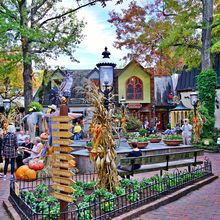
{"points": [[187, 79]]}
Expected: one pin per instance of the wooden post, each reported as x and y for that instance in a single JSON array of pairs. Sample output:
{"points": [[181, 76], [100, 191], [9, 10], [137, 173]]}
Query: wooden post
{"points": [[63, 204]]}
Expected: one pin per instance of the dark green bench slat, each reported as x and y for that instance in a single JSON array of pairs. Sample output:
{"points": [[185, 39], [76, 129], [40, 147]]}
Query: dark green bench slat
{"points": [[159, 158], [160, 166]]}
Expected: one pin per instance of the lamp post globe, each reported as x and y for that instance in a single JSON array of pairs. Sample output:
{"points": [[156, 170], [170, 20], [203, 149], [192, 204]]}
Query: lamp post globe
{"points": [[106, 72], [194, 100], [7, 105]]}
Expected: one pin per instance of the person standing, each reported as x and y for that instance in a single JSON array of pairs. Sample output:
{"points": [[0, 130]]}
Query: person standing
{"points": [[1, 158], [187, 132], [52, 111], [77, 131], [10, 145], [33, 118]]}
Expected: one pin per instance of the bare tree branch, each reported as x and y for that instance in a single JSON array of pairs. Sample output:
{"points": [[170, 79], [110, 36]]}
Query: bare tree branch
{"points": [[69, 12]]}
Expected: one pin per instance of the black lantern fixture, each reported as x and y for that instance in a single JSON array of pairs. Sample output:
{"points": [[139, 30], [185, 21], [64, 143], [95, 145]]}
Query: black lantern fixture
{"points": [[106, 69], [194, 100]]}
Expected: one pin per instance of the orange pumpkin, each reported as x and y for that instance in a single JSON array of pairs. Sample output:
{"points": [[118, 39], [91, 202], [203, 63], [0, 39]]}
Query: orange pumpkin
{"points": [[25, 173], [30, 175]]}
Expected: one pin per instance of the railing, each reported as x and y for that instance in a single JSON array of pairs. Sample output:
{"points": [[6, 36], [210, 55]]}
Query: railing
{"points": [[100, 208]]}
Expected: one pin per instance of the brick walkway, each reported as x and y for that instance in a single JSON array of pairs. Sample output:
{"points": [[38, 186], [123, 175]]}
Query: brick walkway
{"points": [[4, 192], [200, 204]]}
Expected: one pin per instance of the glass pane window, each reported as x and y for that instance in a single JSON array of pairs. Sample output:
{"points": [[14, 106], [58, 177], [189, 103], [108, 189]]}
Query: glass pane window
{"points": [[134, 89]]}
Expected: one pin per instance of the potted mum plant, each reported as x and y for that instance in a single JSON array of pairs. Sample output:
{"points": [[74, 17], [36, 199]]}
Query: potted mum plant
{"points": [[142, 142], [172, 140], [154, 138]]}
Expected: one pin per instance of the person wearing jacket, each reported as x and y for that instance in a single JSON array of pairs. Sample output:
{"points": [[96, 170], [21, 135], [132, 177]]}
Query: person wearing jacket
{"points": [[10, 145]]}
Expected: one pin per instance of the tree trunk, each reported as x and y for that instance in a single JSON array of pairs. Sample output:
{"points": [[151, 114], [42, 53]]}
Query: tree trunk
{"points": [[27, 75], [207, 15], [27, 61]]}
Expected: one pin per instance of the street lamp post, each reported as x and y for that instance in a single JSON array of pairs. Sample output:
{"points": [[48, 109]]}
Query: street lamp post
{"points": [[123, 119], [106, 68], [196, 123], [194, 101]]}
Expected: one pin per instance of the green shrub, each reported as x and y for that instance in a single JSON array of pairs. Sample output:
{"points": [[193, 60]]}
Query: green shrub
{"points": [[208, 122], [207, 83], [133, 124], [154, 136], [120, 191], [173, 137], [142, 132]]}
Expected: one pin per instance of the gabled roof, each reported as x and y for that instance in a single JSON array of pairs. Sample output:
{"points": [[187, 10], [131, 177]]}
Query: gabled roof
{"points": [[120, 71], [58, 70]]}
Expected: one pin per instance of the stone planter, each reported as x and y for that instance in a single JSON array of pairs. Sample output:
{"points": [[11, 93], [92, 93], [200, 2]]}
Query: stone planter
{"points": [[155, 140], [140, 145], [172, 142]]}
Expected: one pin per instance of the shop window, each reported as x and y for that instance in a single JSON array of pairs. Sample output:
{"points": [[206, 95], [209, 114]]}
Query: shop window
{"points": [[134, 89]]}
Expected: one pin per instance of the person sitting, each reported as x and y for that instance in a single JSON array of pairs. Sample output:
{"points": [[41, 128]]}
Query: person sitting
{"points": [[24, 154], [34, 152], [136, 152], [77, 130], [21, 137]]}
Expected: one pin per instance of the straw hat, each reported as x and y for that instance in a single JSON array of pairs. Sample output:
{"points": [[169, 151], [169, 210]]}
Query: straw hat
{"points": [[52, 107]]}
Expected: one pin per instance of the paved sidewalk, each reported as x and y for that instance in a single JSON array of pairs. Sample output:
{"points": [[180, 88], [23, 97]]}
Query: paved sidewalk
{"points": [[4, 193], [200, 204]]}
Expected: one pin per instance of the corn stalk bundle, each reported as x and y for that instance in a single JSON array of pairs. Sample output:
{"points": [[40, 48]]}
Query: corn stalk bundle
{"points": [[103, 151]]}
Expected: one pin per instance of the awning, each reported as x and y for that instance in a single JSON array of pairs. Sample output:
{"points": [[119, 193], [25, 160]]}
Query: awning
{"points": [[181, 107]]}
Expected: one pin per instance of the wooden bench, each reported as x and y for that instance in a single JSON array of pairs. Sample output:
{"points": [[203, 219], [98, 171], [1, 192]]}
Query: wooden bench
{"points": [[160, 162]]}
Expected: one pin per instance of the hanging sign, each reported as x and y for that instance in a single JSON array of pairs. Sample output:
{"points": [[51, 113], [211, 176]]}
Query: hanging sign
{"points": [[63, 188], [64, 134], [62, 126], [61, 118], [62, 180], [63, 149], [63, 197], [65, 142], [66, 173]]}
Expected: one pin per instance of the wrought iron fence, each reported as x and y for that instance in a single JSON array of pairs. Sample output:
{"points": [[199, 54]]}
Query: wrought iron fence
{"points": [[99, 208]]}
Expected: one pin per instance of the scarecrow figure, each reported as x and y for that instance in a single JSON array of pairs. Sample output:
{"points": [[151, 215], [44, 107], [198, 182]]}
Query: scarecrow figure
{"points": [[33, 118]]}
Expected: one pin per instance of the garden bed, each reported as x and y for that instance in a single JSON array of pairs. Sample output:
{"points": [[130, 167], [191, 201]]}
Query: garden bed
{"points": [[34, 201]]}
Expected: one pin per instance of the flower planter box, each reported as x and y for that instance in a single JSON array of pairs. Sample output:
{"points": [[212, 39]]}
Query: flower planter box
{"points": [[155, 140], [172, 142], [140, 145]]}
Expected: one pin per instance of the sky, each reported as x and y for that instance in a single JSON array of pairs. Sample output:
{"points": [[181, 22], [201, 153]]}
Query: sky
{"points": [[98, 34]]}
